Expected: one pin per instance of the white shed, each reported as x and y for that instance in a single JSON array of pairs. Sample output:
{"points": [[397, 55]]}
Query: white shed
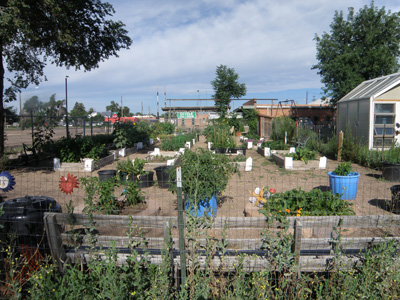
{"points": [[372, 111]]}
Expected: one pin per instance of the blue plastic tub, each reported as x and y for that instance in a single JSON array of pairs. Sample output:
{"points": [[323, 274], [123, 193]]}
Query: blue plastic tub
{"points": [[345, 186], [204, 207]]}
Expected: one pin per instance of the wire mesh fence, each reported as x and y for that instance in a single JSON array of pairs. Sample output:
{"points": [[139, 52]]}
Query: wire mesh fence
{"points": [[71, 214]]}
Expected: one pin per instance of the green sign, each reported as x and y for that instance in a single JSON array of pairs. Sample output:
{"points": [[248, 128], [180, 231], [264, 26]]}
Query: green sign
{"points": [[186, 115]]}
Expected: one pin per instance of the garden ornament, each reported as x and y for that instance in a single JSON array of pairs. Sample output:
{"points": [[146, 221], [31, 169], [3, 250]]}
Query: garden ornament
{"points": [[259, 196], [7, 181], [68, 184]]}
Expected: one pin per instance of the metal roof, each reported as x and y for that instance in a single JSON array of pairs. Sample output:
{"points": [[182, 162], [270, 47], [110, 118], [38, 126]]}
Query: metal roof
{"points": [[373, 87]]}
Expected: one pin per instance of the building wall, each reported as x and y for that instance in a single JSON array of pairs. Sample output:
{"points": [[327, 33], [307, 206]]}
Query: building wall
{"points": [[354, 115], [318, 114], [393, 94], [200, 122]]}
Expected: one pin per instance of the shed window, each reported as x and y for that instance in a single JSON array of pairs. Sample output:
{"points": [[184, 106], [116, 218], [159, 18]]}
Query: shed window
{"points": [[183, 122], [193, 121], [384, 124]]}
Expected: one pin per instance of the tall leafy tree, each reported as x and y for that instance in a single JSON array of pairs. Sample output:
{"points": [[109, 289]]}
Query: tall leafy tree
{"points": [[78, 110], [32, 105], [226, 86], [77, 113], [113, 107], [67, 33], [116, 108], [363, 46]]}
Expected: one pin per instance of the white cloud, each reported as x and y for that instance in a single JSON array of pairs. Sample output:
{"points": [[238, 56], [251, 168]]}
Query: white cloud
{"points": [[178, 44]]}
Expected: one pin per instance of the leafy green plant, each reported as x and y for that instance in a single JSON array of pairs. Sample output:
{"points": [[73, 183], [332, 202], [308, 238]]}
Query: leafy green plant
{"points": [[120, 136], [275, 145], [297, 202], [100, 195], [343, 169], [133, 193], [43, 136], [159, 129], [174, 143], [204, 174], [125, 166], [219, 134], [74, 148], [138, 167], [303, 154]]}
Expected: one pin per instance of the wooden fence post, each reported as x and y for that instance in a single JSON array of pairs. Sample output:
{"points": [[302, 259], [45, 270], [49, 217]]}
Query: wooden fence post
{"points": [[54, 239], [340, 146], [297, 239]]}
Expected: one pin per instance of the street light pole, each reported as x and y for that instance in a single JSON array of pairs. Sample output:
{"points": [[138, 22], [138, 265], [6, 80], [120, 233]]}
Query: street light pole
{"points": [[66, 105]]}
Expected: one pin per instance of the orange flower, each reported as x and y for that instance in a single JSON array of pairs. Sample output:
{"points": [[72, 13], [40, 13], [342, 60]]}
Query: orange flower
{"points": [[287, 210]]}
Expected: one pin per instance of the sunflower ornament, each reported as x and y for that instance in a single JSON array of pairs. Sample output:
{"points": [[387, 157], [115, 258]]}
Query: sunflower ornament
{"points": [[259, 196], [7, 181], [68, 184]]}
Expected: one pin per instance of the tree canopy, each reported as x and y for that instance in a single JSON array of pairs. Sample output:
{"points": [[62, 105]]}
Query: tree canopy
{"points": [[78, 110], [363, 46], [76, 34], [116, 108], [226, 86]]}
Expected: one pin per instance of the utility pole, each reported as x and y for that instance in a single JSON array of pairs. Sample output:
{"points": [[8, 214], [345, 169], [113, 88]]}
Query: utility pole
{"points": [[20, 111], [307, 97], [122, 108], [66, 105], [142, 109], [158, 112]]}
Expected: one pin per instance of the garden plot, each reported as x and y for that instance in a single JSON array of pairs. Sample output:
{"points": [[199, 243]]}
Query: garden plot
{"points": [[288, 163]]}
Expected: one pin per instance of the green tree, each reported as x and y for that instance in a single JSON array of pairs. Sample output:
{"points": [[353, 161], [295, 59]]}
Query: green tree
{"points": [[32, 105], [78, 110], [366, 45], [77, 113], [113, 107], [226, 86], [66, 33]]}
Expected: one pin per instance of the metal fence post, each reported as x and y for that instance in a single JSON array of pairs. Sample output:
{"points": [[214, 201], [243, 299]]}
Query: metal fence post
{"points": [[181, 224]]}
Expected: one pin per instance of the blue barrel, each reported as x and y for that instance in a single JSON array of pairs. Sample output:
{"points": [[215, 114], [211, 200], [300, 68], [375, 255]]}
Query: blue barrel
{"points": [[345, 186], [204, 207]]}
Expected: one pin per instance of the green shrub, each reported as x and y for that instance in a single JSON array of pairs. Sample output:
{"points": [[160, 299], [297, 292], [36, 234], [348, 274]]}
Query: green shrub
{"points": [[159, 129], [275, 145], [303, 154], [174, 143], [283, 124], [73, 149]]}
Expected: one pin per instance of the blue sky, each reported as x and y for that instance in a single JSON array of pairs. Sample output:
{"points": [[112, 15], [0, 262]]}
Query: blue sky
{"points": [[177, 44]]}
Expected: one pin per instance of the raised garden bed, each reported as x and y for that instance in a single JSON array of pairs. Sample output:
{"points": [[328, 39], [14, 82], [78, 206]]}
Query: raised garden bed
{"points": [[89, 165], [267, 151], [288, 163]]}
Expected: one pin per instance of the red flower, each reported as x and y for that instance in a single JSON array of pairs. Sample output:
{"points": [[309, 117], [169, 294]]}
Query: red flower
{"points": [[68, 184], [272, 191]]}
